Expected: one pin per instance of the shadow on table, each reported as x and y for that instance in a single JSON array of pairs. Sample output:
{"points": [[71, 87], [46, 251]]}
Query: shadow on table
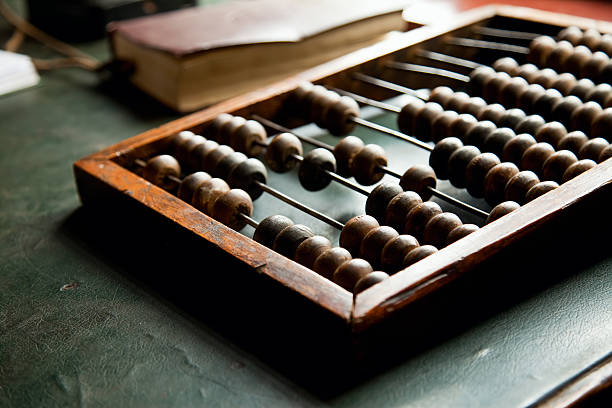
{"points": [[305, 344]]}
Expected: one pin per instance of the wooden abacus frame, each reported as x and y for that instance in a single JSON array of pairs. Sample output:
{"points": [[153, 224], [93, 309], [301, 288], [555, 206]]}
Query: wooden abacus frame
{"points": [[102, 176]]}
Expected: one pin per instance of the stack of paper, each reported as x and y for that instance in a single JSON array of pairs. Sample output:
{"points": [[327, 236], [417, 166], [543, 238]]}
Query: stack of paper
{"points": [[16, 72]]}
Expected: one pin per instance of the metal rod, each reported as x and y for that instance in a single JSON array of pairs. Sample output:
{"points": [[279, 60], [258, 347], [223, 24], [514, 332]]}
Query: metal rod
{"points": [[394, 133], [347, 183], [489, 45], [369, 101], [140, 163], [389, 85], [449, 59], [498, 32], [248, 220], [281, 128], [390, 172], [458, 203], [404, 66]]}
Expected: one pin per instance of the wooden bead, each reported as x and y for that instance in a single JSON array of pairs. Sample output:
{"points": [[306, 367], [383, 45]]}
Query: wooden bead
{"points": [[439, 227], [578, 168], [577, 60], [564, 83], [344, 151], [562, 111], [551, 133], [441, 95], [515, 148], [492, 112], [495, 86], [511, 118], [330, 260], [545, 103], [572, 34], [419, 178], [507, 65], [602, 124], [299, 93], [474, 105], [594, 66], [590, 38], [406, 119], [394, 252], [321, 105], [249, 138], [497, 140], [227, 208], [312, 171], [208, 192], [439, 156], [309, 97], [535, 156], [582, 88], [338, 116], [190, 184], [460, 232], [573, 141], [281, 151], [560, 53], [310, 249], [555, 166], [517, 187], [600, 93], [458, 162], [529, 97], [355, 230], [478, 78], [513, 91], [418, 254], [476, 171], [593, 148], [496, 180], [366, 164], [247, 175], [528, 71], [605, 44], [374, 242], [606, 73], [479, 132], [158, 170], [379, 198], [201, 151], [440, 128], [540, 49], [584, 115], [456, 102], [605, 154], [287, 241], [268, 228], [369, 280], [399, 207], [545, 77], [349, 273], [179, 138], [418, 217], [530, 124], [212, 159], [500, 210], [184, 152], [462, 124], [228, 129], [214, 127], [227, 164], [539, 189], [424, 118]]}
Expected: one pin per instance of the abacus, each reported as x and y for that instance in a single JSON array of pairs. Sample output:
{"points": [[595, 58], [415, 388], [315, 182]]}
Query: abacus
{"points": [[521, 144]]}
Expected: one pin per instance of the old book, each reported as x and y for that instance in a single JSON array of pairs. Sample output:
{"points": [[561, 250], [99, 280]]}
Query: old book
{"points": [[191, 58]]}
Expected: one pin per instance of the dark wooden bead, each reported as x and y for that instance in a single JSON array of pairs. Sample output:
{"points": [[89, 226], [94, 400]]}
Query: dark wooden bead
{"points": [[530, 124], [228, 129], [312, 171], [545, 77], [369, 280], [513, 91], [439, 156], [399, 207], [379, 198], [540, 49], [158, 170], [349, 273], [281, 152], [496, 180], [494, 87], [511, 118], [545, 103], [326, 264], [577, 60], [418, 254], [591, 38], [418, 217], [309, 97], [460, 232], [344, 152], [560, 53], [578, 168], [474, 105], [478, 78], [374, 242], [555, 166], [424, 119], [290, 238], [593, 148], [594, 66], [539, 189], [562, 111], [178, 139], [456, 102], [573, 141], [338, 116], [227, 208], [299, 93], [605, 154], [268, 228], [497, 140], [214, 127], [440, 128], [492, 112], [515, 148], [479, 132], [462, 125], [602, 124], [529, 97], [406, 119], [458, 162], [528, 71], [184, 151], [439, 227], [535, 156], [419, 178], [500, 210], [606, 73], [395, 251], [320, 105], [551, 133], [355, 230], [310, 249], [476, 171], [212, 159], [190, 185], [366, 164], [441, 95], [564, 83], [507, 65], [201, 152], [517, 187], [208, 192], [572, 34], [249, 138], [582, 88], [228, 164], [247, 175], [582, 117], [600, 93], [605, 45]]}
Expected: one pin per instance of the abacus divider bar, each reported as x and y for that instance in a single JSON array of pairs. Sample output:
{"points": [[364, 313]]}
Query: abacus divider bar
{"points": [[291, 201], [249, 220], [423, 69], [458, 203], [392, 132], [502, 33], [460, 62], [389, 85], [143, 164], [281, 128], [489, 45], [369, 101]]}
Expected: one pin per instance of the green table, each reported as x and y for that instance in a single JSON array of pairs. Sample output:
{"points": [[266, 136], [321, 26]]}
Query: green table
{"points": [[81, 323]]}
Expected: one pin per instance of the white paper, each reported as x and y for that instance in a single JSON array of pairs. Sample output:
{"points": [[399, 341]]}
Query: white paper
{"points": [[16, 72]]}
